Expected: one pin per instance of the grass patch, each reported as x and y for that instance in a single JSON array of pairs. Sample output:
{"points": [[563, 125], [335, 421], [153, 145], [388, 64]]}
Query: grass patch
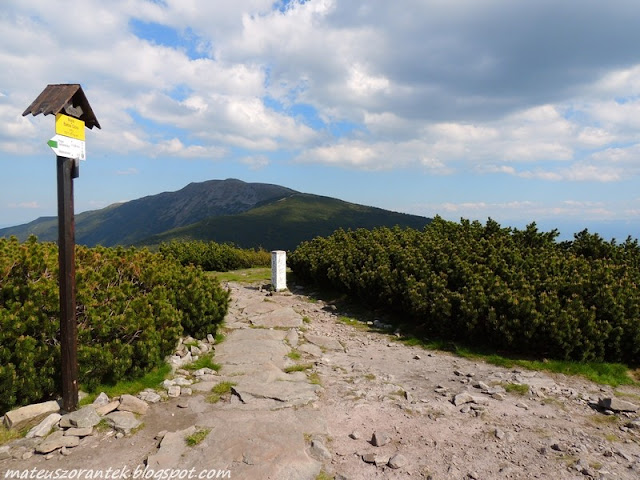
{"points": [[517, 388], [398, 393], [103, 426], [628, 396], [352, 322], [314, 379], [306, 319], [151, 380], [294, 355], [136, 429], [553, 401], [222, 389], [604, 419], [197, 437], [370, 376], [7, 435], [614, 374], [219, 338], [245, 275], [298, 368], [610, 437], [204, 361], [324, 476]]}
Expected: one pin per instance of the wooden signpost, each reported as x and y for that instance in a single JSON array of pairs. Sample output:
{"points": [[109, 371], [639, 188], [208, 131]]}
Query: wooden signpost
{"points": [[73, 112]]}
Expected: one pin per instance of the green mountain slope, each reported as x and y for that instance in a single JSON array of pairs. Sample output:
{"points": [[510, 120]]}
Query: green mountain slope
{"points": [[284, 223]]}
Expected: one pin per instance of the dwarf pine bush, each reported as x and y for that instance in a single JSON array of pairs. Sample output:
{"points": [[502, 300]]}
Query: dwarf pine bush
{"points": [[517, 290], [131, 308]]}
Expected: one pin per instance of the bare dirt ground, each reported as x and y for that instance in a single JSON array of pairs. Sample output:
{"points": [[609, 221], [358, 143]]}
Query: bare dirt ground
{"points": [[434, 415]]}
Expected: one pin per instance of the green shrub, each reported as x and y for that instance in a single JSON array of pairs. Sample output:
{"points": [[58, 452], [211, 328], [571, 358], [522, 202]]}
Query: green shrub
{"points": [[212, 256], [131, 308], [516, 290]]}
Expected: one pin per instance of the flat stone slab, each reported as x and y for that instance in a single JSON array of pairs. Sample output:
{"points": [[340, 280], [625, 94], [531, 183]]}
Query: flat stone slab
{"points": [[272, 383], [328, 343], [79, 432], [204, 386], [108, 408], [129, 403], [256, 444], [30, 414], [57, 440], [45, 426], [123, 421], [285, 317], [290, 393], [85, 417], [251, 334], [311, 349], [251, 347], [260, 307], [292, 337], [171, 449]]}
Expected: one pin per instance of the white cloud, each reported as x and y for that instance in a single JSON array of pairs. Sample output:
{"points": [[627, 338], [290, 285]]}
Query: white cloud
{"points": [[174, 147], [256, 162], [29, 205], [523, 209], [493, 88]]}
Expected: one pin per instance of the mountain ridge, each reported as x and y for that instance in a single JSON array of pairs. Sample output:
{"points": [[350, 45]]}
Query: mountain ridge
{"points": [[231, 210]]}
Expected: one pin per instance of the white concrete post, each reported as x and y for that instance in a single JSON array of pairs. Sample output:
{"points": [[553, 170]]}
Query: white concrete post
{"points": [[279, 270]]}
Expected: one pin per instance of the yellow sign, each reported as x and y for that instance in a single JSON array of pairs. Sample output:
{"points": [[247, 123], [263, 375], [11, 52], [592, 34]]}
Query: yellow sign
{"points": [[69, 127]]}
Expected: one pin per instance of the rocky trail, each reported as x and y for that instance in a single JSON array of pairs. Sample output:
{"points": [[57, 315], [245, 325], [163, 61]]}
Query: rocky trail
{"points": [[301, 395]]}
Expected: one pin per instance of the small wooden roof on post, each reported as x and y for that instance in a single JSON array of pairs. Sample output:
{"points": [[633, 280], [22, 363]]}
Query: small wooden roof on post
{"points": [[67, 98]]}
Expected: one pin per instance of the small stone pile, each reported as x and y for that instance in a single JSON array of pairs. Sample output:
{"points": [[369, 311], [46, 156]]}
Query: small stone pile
{"points": [[382, 457], [189, 350], [56, 432]]}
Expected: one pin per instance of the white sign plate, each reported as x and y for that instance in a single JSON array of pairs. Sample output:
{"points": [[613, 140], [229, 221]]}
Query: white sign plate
{"points": [[68, 147]]}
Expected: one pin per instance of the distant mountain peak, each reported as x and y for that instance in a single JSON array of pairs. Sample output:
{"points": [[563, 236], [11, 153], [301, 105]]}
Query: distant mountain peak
{"points": [[245, 208]]}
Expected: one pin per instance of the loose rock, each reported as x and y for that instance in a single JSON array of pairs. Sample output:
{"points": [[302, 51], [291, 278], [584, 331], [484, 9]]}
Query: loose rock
{"points": [[123, 422], [101, 400], [85, 417], [398, 461], [129, 403], [174, 391], [376, 458], [617, 405], [108, 408], [55, 441], [30, 414], [149, 397], [380, 439], [462, 398], [320, 451], [44, 427]]}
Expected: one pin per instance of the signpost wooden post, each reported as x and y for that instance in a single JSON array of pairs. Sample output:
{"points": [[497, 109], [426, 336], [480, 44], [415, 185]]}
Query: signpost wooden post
{"points": [[69, 146]]}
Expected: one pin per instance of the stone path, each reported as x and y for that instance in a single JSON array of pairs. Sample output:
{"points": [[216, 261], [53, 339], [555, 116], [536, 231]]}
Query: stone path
{"points": [[313, 398]]}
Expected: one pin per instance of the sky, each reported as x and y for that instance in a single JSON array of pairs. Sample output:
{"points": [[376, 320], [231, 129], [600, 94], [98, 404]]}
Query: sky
{"points": [[516, 110]]}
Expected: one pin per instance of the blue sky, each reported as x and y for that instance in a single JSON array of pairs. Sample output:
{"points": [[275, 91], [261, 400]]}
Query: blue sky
{"points": [[518, 111]]}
